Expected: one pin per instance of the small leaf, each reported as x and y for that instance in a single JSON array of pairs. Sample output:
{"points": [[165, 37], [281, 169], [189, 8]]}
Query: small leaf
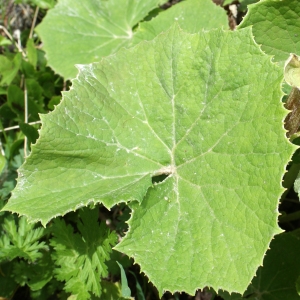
{"points": [[126, 292], [15, 100], [28, 70], [9, 69], [35, 99], [54, 101], [30, 131], [4, 41], [31, 52]]}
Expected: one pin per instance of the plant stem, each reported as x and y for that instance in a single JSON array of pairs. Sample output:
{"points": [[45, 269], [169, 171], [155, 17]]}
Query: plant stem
{"points": [[25, 116], [33, 22], [18, 127]]}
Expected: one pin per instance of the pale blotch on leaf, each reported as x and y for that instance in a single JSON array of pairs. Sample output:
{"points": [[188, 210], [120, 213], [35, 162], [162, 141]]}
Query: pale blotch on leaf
{"points": [[292, 71]]}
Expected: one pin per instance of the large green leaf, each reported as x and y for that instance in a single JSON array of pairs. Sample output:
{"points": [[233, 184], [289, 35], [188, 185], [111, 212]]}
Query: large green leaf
{"points": [[79, 32], [276, 279], [85, 31], [202, 109], [276, 26]]}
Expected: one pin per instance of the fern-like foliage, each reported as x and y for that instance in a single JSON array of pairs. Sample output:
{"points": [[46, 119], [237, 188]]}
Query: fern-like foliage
{"points": [[35, 275], [20, 239], [80, 257]]}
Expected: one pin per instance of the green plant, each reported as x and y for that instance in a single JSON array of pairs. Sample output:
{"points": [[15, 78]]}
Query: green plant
{"points": [[182, 125]]}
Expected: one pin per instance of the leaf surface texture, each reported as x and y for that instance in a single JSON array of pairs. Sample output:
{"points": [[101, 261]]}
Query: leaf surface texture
{"points": [[275, 26], [83, 32], [202, 109]]}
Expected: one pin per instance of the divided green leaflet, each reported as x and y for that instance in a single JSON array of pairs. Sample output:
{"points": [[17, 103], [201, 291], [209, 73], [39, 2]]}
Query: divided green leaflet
{"points": [[98, 28], [275, 26], [203, 109], [20, 239], [80, 257]]}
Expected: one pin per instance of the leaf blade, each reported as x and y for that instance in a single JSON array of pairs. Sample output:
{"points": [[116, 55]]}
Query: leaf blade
{"points": [[181, 104]]}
